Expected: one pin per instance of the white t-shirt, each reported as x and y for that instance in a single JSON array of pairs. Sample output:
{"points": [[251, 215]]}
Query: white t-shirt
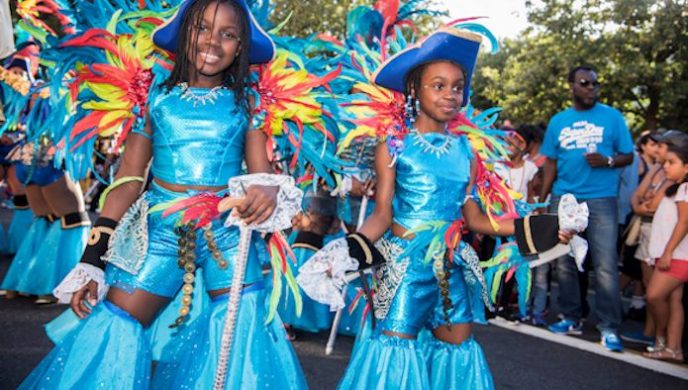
{"points": [[663, 223], [518, 178]]}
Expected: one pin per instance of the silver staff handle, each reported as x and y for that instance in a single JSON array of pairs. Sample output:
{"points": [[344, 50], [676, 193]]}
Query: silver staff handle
{"points": [[232, 308]]}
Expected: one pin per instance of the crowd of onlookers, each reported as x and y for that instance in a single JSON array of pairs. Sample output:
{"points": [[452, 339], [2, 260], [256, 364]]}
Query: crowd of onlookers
{"points": [[638, 203]]}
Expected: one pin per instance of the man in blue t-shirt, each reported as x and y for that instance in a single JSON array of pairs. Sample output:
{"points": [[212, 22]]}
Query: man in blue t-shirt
{"points": [[584, 146]]}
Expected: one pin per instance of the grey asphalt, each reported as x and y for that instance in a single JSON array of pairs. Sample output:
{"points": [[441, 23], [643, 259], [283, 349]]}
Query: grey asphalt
{"points": [[517, 361]]}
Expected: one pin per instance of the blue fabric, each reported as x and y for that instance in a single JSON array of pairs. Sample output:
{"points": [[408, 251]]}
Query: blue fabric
{"points": [[425, 188], [25, 263], [457, 367], [57, 253], [160, 273], [18, 229], [314, 316], [440, 45], [417, 302], [261, 47], [383, 362], [40, 176], [628, 183], [602, 235], [201, 145], [261, 356], [91, 355], [160, 334], [351, 321], [569, 136]]}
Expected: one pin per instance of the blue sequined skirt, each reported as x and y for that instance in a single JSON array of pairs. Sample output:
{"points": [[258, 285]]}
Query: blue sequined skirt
{"points": [[413, 305], [18, 229], [261, 356], [26, 263]]}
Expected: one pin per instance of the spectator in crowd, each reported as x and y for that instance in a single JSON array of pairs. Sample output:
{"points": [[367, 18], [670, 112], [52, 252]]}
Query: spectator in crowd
{"points": [[584, 146], [669, 247], [645, 201]]}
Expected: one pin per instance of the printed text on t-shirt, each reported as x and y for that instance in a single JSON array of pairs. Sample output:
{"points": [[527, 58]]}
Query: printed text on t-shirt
{"points": [[580, 135]]}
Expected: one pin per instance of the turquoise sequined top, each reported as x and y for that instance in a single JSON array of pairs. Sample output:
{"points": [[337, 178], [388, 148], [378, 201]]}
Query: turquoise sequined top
{"points": [[198, 136], [432, 173]]}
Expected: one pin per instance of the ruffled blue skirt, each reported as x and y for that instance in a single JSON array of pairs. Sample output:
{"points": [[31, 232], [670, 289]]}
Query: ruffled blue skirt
{"points": [[26, 264], [314, 316], [18, 229], [55, 255], [261, 355], [108, 349], [384, 362], [159, 333]]}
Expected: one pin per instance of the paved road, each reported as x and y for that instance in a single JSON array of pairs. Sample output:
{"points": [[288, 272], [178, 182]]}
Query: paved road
{"points": [[517, 361]]}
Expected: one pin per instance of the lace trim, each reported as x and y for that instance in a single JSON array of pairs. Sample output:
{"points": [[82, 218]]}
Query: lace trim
{"points": [[475, 276], [78, 278], [313, 276], [389, 276], [288, 204], [128, 245]]}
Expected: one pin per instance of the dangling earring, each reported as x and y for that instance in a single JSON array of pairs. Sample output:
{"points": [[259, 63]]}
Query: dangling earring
{"points": [[408, 107], [417, 107]]}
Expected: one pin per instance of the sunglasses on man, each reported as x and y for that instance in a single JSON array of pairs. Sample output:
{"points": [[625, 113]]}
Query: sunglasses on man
{"points": [[585, 83]]}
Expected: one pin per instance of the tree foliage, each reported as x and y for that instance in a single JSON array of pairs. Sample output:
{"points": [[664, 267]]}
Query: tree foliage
{"points": [[314, 16], [640, 48]]}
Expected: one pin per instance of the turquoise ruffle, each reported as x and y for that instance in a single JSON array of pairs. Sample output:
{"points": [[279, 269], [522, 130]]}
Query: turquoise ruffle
{"points": [[108, 349], [261, 355]]}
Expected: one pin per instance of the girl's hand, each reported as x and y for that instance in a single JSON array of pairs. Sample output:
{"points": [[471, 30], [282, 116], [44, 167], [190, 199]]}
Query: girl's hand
{"points": [[565, 236], [258, 204], [664, 262], [87, 293]]}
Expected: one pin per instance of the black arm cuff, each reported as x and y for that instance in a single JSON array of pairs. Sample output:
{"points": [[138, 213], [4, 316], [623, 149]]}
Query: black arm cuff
{"points": [[98, 242], [537, 233], [308, 240], [361, 249]]}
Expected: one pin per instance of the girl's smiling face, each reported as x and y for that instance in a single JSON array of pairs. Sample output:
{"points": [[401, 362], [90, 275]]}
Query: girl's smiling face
{"points": [[441, 91], [215, 44]]}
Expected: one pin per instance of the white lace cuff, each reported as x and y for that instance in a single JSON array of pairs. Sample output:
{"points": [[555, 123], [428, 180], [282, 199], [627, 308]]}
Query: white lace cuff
{"points": [[313, 277], [288, 199], [77, 278]]}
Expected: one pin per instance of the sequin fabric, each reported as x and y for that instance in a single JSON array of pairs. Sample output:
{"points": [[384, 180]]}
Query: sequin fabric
{"points": [[431, 186], [197, 145]]}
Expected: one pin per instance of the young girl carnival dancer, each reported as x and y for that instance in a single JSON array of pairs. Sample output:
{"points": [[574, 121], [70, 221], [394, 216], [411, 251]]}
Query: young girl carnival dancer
{"points": [[197, 132], [425, 178], [669, 246]]}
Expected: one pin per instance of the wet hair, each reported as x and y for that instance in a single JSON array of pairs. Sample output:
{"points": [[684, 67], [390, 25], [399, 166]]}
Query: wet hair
{"points": [[236, 76], [416, 74], [572, 72], [681, 151]]}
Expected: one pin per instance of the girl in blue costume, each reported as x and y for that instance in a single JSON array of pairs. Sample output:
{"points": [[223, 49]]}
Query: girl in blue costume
{"points": [[197, 133], [425, 178], [58, 234], [22, 64]]}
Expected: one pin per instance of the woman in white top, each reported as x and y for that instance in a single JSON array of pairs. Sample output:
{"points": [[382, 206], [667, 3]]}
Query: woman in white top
{"points": [[669, 246]]}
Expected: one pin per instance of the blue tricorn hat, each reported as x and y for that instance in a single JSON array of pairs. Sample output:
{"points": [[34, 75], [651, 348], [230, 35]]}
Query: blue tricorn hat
{"points": [[261, 47], [445, 44]]}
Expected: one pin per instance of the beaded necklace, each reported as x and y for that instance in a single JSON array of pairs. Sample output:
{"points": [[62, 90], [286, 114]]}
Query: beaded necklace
{"points": [[206, 98], [427, 147]]}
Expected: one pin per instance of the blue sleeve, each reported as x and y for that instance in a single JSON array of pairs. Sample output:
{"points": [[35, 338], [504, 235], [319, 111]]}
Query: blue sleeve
{"points": [[624, 143], [550, 143]]}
